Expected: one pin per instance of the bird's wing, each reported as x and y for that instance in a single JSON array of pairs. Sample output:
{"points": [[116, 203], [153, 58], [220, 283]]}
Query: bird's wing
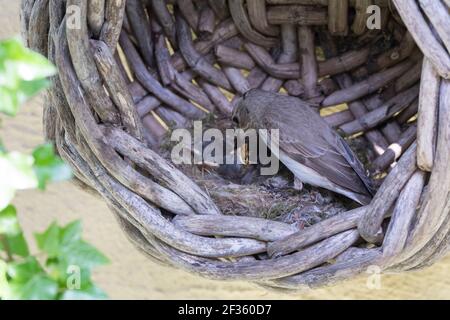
{"points": [[314, 144]]}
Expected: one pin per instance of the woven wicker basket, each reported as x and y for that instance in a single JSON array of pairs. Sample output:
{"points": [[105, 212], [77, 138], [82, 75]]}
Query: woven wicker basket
{"points": [[129, 68]]}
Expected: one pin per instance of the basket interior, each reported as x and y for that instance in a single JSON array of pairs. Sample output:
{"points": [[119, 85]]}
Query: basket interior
{"points": [[364, 83]]}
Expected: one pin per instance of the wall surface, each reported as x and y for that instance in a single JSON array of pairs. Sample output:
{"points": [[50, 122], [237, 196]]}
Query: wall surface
{"points": [[130, 275]]}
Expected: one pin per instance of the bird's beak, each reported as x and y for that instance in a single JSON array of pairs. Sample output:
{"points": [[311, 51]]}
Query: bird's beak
{"points": [[234, 114]]}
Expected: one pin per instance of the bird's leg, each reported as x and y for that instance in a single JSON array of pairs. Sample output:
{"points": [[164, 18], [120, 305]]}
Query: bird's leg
{"points": [[298, 184]]}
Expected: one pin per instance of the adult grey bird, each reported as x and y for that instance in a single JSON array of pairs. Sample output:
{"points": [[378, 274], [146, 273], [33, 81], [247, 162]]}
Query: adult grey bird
{"points": [[307, 145]]}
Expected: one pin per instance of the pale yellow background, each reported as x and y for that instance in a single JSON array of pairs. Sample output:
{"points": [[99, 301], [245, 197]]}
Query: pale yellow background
{"points": [[131, 275]]}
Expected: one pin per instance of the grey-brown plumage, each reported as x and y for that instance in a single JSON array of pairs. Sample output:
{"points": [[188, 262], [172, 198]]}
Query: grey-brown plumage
{"points": [[308, 147]]}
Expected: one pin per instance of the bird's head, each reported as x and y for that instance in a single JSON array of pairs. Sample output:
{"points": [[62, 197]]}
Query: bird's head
{"points": [[250, 105]]}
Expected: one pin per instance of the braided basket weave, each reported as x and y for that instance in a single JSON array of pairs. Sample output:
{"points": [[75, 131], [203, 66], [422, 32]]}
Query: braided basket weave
{"points": [[127, 69]]}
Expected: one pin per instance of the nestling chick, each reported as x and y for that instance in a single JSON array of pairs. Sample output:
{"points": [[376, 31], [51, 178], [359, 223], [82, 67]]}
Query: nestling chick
{"points": [[308, 147]]}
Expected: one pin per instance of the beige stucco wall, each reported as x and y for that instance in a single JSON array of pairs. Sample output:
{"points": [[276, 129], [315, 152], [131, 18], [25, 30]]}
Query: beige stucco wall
{"points": [[131, 275]]}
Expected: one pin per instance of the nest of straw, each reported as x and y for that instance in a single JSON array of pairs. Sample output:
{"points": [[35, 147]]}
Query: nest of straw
{"points": [[131, 71]]}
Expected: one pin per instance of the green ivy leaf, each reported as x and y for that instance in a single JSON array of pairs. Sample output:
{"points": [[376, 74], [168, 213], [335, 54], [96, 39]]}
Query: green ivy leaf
{"points": [[23, 73], [8, 101], [23, 271], [83, 254], [30, 65], [18, 245], [67, 275], [39, 287], [48, 241], [12, 233], [65, 244], [71, 233], [69, 261], [48, 166], [9, 225], [27, 280]]}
